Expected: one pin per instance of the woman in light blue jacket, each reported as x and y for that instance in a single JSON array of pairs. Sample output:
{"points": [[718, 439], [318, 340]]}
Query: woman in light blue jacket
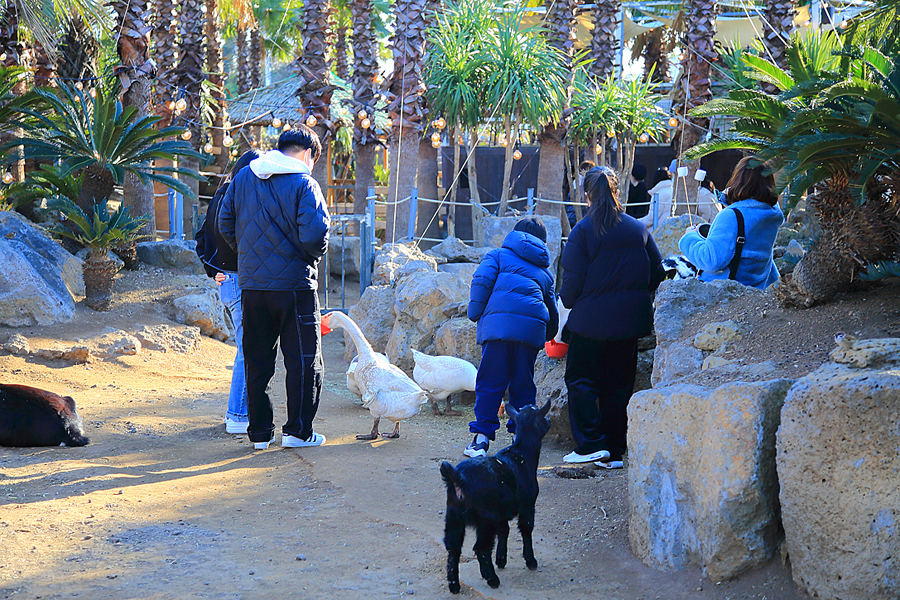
{"points": [[752, 192]]}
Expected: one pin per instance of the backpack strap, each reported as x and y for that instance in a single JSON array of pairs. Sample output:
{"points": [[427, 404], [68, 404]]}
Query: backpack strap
{"points": [[738, 245]]}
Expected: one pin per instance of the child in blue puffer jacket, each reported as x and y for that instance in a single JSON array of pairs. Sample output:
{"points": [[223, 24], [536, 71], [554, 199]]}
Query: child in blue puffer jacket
{"points": [[513, 302]]}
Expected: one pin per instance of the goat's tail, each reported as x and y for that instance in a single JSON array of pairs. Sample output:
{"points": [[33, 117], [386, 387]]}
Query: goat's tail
{"points": [[451, 477]]}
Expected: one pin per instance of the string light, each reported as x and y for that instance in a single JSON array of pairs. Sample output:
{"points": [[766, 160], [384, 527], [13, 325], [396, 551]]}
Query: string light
{"points": [[287, 127], [8, 178], [378, 79], [254, 143], [93, 92], [186, 135], [504, 142], [645, 137], [435, 143], [365, 123], [170, 105], [440, 123], [362, 114], [227, 141], [610, 133], [517, 154], [436, 137], [673, 122], [3, 57], [79, 85], [598, 149], [180, 104], [311, 121], [844, 24], [276, 122], [208, 148]]}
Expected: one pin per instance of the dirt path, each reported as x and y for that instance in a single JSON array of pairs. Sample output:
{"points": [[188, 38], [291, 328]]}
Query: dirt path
{"points": [[164, 504]]}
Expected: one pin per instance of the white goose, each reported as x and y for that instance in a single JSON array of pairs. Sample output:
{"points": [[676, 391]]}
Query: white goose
{"points": [[387, 391], [441, 376]]}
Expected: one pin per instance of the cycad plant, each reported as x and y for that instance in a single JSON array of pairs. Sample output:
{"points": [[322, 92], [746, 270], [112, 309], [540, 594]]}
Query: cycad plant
{"points": [[834, 130], [99, 138]]}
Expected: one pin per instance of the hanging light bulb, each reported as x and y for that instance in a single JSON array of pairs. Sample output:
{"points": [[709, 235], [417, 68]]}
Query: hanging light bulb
{"points": [[208, 148], [311, 121], [8, 178], [344, 112], [598, 149], [287, 127], [79, 85], [435, 143], [180, 104], [93, 92], [436, 137], [227, 141], [227, 124], [844, 24], [365, 123], [3, 57], [254, 143], [362, 114], [378, 79], [170, 105], [382, 139], [276, 122], [610, 133], [645, 137], [440, 123], [517, 154], [504, 142], [186, 135], [673, 122]]}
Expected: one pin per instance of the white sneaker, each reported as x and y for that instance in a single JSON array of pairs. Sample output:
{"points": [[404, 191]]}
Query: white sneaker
{"points": [[290, 441], [262, 445], [574, 457], [613, 464], [232, 426]]}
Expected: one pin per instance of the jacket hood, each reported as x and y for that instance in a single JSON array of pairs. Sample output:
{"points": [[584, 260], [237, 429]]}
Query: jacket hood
{"points": [[275, 162], [528, 247]]}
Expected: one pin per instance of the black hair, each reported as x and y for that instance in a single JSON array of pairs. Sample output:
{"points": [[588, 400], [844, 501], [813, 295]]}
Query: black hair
{"points": [[639, 171], [661, 175], [302, 138], [245, 159], [602, 188], [534, 226]]}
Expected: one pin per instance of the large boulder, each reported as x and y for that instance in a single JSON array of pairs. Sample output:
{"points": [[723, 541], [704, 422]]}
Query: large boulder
{"points": [[38, 278], [464, 271], [171, 254], [839, 468], [419, 307], [457, 337], [454, 250], [668, 233], [374, 315], [495, 229], [206, 311], [344, 251], [404, 256], [701, 477]]}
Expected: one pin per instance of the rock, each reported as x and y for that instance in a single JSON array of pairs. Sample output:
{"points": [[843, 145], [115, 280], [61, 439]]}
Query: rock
{"points": [[165, 338], [786, 235], [549, 378], [178, 254], [418, 308], [344, 251], [713, 336], [18, 345], [674, 361], [712, 361], [644, 375], [454, 250], [373, 313], [16, 228], [838, 464], [464, 271], [120, 264], [392, 257], [114, 342], [867, 353], [668, 233], [78, 354], [701, 476], [456, 337], [205, 311], [495, 229]]}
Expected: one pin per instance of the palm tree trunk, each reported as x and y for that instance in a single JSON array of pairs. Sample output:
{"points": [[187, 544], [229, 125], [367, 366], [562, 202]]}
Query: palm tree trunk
{"points": [[216, 69], [427, 224], [314, 68], [341, 67], [778, 26], [403, 156], [604, 40], [165, 55], [454, 183], [656, 58], [188, 76], [365, 69], [257, 57], [133, 48], [242, 51]]}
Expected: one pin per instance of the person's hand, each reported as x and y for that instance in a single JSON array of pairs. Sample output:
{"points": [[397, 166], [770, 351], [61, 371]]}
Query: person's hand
{"points": [[220, 278], [691, 228]]}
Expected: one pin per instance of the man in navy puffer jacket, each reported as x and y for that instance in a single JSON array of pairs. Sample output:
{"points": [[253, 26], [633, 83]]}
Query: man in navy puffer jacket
{"points": [[512, 301], [279, 227]]}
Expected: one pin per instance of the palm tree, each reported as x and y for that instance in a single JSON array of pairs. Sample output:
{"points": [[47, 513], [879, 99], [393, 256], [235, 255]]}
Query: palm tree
{"points": [[655, 46], [165, 54], [604, 39], [365, 73], [778, 25], [407, 110], [694, 85], [343, 21], [314, 69], [215, 69]]}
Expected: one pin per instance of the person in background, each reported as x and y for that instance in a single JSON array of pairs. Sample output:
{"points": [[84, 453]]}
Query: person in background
{"points": [[513, 301], [220, 262], [274, 215], [662, 185], [575, 196], [611, 267], [638, 199], [751, 191]]}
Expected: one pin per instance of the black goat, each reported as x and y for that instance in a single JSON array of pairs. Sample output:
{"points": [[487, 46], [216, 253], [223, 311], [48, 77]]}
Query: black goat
{"points": [[488, 491], [33, 417]]}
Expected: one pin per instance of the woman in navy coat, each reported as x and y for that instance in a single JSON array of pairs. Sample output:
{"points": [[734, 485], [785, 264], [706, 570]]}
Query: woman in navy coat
{"points": [[611, 267]]}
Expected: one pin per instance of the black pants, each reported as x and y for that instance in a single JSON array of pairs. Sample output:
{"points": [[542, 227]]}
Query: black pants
{"points": [[600, 378], [293, 319]]}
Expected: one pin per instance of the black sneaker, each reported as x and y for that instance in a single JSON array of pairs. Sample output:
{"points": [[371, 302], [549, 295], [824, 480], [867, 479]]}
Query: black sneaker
{"points": [[477, 449]]}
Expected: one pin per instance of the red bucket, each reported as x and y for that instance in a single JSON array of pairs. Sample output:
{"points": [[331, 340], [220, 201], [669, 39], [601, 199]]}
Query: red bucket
{"points": [[556, 349]]}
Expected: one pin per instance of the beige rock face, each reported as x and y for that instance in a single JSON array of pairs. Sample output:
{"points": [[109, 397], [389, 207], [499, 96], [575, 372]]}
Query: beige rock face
{"points": [[669, 233], [206, 311], [344, 251], [394, 257], [456, 337], [839, 468], [701, 476], [713, 336], [373, 313], [166, 338]]}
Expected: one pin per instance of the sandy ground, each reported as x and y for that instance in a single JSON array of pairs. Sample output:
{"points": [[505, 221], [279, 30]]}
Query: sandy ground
{"points": [[164, 504]]}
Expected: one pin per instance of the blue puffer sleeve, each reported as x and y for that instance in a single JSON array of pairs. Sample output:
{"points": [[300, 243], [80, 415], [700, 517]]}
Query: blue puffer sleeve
{"points": [[313, 221], [713, 253], [482, 285], [225, 220], [575, 261], [553, 323]]}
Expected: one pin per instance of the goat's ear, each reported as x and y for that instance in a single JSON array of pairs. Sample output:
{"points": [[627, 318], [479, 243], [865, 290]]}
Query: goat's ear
{"points": [[544, 409], [511, 410]]}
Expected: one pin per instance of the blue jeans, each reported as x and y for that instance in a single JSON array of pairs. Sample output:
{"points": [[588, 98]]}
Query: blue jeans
{"points": [[230, 295], [503, 365]]}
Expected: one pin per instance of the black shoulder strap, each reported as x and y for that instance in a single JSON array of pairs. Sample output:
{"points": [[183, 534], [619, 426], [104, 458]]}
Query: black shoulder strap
{"points": [[738, 245]]}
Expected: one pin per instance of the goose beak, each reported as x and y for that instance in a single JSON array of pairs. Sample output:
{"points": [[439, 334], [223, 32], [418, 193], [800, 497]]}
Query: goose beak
{"points": [[323, 325]]}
